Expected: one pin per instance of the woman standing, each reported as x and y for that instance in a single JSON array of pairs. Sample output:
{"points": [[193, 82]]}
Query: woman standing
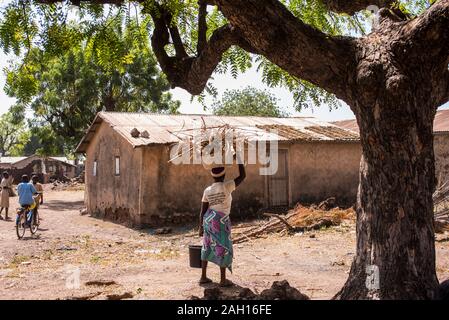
{"points": [[5, 185], [215, 225]]}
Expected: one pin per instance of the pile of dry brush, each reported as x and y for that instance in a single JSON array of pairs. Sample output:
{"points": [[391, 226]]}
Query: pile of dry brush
{"points": [[326, 214], [205, 141], [441, 208], [299, 219]]}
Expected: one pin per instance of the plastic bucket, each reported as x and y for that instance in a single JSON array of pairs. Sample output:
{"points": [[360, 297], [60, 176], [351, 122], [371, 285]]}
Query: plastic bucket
{"points": [[195, 256]]}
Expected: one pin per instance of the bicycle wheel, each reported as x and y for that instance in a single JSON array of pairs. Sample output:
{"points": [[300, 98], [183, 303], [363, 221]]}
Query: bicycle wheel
{"points": [[20, 225], [34, 225]]}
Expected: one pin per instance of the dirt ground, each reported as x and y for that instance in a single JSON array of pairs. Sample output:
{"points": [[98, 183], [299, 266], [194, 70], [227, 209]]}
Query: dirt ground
{"points": [[71, 254]]}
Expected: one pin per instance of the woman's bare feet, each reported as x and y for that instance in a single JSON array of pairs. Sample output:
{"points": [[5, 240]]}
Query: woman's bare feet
{"points": [[226, 283], [204, 280]]}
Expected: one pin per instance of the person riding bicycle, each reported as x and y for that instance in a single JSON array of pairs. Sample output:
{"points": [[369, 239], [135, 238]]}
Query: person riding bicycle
{"points": [[39, 189], [26, 191]]}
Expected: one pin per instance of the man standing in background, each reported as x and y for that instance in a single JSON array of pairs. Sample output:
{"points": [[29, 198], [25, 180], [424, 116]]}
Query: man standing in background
{"points": [[5, 193]]}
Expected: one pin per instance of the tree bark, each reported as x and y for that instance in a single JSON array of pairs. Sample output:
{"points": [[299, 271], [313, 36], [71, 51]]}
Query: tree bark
{"points": [[395, 256], [395, 234]]}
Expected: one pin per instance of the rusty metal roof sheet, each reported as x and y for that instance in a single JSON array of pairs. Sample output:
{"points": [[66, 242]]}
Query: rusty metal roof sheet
{"points": [[166, 129], [350, 124], [11, 160], [16, 161], [440, 124]]}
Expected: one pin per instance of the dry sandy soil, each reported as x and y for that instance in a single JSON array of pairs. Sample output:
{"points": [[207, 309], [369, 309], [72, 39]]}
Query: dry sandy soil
{"points": [[142, 265]]}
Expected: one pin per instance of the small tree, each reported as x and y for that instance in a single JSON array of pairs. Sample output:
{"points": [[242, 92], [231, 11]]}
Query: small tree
{"points": [[248, 102], [10, 134], [66, 91]]}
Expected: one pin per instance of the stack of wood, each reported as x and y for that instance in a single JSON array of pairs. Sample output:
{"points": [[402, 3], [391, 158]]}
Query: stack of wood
{"points": [[441, 208], [201, 141], [299, 219], [441, 201]]}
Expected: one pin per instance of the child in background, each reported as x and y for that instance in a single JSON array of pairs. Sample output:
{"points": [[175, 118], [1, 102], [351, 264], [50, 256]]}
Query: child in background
{"points": [[26, 192]]}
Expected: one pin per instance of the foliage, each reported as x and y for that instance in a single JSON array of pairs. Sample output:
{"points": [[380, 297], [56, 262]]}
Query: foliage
{"points": [[66, 91], [248, 102], [11, 135], [45, 142]]}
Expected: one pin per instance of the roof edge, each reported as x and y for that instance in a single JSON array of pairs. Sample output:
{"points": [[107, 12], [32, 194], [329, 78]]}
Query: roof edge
{"points": [[79, 149]]}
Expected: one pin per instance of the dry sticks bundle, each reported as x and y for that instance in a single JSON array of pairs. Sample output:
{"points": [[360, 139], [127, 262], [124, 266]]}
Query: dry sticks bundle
{"points": [[202, 144], [441, 201]]}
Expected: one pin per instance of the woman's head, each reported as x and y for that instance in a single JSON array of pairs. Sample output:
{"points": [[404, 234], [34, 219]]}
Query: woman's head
{"points": [[25, 179], [5, 175], [218, 173]]}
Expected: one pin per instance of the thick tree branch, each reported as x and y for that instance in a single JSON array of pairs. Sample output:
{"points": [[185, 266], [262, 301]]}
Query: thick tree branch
{"points": [[175, 36], [302, 51], [352, 6], [202, 25], [425, 40], [192, 73], [429, 32]]}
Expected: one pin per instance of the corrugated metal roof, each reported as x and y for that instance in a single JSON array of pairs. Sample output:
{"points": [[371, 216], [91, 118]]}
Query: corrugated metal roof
{"points": [[166, 129], [17, 160], [64, 160], [11, 160], [350, 124], [440, 124]]}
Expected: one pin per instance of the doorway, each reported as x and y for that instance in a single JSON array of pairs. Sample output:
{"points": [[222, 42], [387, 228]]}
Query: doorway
{"points": [[278, 184]]}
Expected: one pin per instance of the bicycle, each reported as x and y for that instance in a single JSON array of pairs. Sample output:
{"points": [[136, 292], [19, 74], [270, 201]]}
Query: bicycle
{"points": [[27, 217]]}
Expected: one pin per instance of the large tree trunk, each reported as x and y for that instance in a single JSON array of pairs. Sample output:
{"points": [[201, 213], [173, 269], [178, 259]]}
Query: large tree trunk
{"points": [[395, 256]]}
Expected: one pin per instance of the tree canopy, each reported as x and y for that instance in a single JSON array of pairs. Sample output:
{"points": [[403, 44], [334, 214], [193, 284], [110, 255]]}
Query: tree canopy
{"points": [[248, 102], [11, 135], [66, 91]]}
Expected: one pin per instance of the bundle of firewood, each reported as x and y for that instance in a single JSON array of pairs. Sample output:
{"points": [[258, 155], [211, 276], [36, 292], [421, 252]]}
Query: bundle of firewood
{"points": [[204, 142], [441, 201]]}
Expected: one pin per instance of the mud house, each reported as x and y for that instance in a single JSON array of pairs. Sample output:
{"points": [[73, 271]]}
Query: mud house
{"points": [[46, 168], [129, 177], [441, 142]]}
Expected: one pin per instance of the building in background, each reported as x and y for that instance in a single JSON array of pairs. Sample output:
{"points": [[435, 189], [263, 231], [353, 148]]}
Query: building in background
{"points": [[441, 142], [47, 168], [129, 177]]}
